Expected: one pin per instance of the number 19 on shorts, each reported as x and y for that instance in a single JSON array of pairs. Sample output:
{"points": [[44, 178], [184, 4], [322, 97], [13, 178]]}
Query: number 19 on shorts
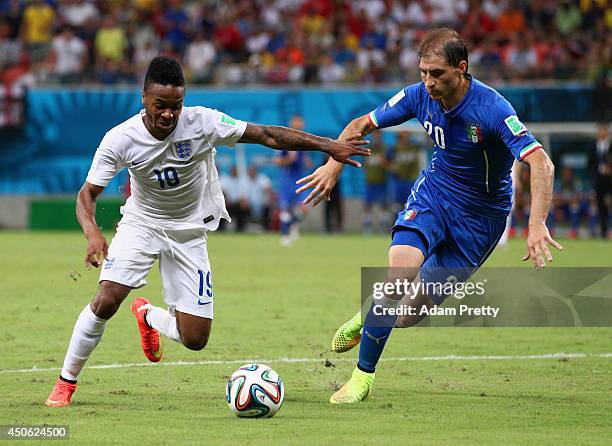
{"points": [[205, 287]]}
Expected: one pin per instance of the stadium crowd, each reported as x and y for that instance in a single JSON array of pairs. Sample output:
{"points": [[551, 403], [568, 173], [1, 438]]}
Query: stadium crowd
{"points": [[298, 41]]}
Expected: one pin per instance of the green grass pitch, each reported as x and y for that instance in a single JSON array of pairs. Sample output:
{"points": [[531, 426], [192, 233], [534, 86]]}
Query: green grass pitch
{"points": [[272, 303]]}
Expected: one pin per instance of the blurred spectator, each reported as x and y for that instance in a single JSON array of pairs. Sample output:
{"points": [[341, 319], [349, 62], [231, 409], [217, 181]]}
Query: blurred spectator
{"points": [[111, 42], [330, 71], [409, 12], [478, 24], [404, 164], [77, 13], [10, 49], [487, 60], [69, 56], [494, 8], [142, 57], [12, 16], [291, 58], [258, 188], [176, 25], [374, 9], [199, 58], [570, 203], [511, 21], [448, 12], [540, 15], [564, 67], [111, 46], [603, 176], [228, 39], [376, 167], [235, 198], [370, 61], [521, 58], [568, 18], [37, 29]]}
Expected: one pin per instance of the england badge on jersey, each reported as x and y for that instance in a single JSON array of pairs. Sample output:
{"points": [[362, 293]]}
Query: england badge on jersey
{"points": [[183, 149]]}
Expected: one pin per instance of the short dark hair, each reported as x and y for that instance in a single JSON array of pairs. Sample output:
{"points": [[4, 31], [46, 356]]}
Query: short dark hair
{"points": [[446, 43], [164, 71]]}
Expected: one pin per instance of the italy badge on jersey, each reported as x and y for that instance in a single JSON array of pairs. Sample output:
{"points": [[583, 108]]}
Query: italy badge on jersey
{"points": [[183, 149], [410, 214], [474, 133]]}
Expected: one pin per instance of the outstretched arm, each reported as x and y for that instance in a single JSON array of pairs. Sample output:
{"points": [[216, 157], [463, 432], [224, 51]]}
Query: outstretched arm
{"points": [[323, 180], [97, 248], [284, 138], [542, 176]]}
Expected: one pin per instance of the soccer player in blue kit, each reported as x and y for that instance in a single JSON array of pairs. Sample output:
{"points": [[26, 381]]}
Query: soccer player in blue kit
{"points": [[457, 209], [291, 165]]}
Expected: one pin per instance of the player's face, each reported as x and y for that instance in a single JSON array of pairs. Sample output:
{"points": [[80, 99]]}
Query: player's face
{"points": [[297, 122], [440, 78], [163, 106]]}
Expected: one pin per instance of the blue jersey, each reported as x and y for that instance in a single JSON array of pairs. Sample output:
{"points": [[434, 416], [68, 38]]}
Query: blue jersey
{"points": [[474, 144], [294, 169]]}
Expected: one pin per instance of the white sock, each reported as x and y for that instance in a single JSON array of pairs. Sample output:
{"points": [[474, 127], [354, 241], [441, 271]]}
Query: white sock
{"points": [[164, 322], [85, 336]]}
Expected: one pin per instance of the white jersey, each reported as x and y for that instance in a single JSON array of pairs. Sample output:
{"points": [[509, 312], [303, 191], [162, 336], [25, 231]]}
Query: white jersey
{"points": [[174, 182]]}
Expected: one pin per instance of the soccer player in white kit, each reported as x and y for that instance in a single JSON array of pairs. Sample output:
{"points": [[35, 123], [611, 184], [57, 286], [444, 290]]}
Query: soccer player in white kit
{"points": [[176, 199]]}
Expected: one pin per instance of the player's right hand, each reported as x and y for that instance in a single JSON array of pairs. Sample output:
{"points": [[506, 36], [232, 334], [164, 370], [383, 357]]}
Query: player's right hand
{"points": [[322, 181], [537, 245], [97, 250]]}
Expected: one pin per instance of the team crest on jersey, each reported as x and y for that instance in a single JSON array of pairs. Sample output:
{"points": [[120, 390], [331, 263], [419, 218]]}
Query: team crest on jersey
{"points": [[410, 214], [474, 133], [109, 263], [183, 149]]}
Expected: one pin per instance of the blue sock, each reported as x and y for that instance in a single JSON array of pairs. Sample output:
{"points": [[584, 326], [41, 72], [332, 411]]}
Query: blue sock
{"points": [[376, 331]]}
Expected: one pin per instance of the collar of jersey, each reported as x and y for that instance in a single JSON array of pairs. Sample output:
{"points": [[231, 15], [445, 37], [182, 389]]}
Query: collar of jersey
{"points": [[466, 100]]}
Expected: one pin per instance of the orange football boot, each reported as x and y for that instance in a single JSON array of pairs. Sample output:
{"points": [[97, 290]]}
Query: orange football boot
{"points": [[149, 337], [61, 394]]}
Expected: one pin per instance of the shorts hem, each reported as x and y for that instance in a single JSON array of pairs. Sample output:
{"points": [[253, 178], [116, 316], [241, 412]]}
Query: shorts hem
{"points": [[421, 242], [122, 282], [192, 312]]}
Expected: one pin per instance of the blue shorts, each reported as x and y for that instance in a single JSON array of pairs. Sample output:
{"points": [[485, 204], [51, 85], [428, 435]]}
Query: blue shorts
{"points": [[376, 194], [287, 198], [402, 190], [453, 241]]}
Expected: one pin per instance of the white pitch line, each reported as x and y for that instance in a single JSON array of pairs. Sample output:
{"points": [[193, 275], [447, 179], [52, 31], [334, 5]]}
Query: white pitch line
{"points": [[313, 360]]}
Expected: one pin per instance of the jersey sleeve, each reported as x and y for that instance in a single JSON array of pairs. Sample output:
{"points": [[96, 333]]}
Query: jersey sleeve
{"points": [[398, 109], [221, 129], [512, 131], [105, 165]]}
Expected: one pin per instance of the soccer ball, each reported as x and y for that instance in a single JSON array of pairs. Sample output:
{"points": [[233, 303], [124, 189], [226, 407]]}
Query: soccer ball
{"points": [[254, 391]]}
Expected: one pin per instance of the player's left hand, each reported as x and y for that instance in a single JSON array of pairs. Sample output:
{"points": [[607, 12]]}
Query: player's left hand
{"points": [[322, 181], [537, 245], [342, 151]]}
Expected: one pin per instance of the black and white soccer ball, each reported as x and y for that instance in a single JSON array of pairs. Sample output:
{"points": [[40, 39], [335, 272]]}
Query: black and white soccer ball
{"points": [[255, 391]]}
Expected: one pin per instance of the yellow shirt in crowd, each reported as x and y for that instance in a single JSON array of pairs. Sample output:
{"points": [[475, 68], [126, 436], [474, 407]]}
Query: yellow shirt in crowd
{"points": [[38, 22], [111, 43]]}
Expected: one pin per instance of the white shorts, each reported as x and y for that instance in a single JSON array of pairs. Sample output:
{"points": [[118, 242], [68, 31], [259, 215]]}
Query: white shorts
{"points": [[183, 263]]}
